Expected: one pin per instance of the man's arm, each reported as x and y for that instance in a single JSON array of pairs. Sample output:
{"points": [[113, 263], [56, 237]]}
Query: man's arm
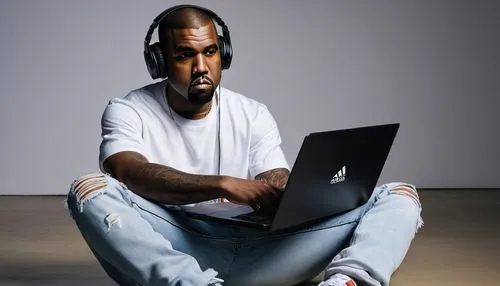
{"points": [[161, 183], [276, 177], [168, 185]]}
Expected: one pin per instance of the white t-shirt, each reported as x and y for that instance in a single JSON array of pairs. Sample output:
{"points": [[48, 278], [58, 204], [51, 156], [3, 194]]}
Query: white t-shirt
{"points": [[143, 122]]}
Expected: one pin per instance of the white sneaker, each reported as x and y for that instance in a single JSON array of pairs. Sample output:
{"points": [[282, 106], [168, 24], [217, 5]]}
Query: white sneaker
{"points": [[215, 282], [338, 280]]}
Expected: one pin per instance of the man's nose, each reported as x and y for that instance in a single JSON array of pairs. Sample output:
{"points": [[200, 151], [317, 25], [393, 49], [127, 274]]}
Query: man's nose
{"points": [[199, 64]]}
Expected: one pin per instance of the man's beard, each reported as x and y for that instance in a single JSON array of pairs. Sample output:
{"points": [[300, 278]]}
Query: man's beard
{"points": [[201, 97]]}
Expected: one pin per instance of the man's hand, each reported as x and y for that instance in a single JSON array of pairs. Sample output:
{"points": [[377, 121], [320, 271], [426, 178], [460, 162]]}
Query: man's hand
{"points": [[254, 193]]}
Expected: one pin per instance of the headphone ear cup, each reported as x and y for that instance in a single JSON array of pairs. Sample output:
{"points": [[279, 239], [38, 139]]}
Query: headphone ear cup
{"points": [[155, 61], [150, 62], [159, 60], [226, 52]]}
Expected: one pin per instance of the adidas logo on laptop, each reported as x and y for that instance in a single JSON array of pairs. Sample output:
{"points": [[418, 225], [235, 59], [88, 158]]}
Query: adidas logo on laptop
{"points": [[339, 177]]}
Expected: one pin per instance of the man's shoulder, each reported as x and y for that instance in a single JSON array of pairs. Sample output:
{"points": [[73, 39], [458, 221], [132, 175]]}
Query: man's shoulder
{"points": [[152, 90], [145, 95], [237, 99]]}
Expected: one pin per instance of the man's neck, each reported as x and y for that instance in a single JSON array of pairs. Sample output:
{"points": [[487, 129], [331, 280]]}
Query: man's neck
{"points": [[184, 108], [198, 114]]}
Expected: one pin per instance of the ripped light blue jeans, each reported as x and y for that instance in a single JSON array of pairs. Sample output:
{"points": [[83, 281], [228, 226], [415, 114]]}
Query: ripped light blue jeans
{"points": [[139, 242]]}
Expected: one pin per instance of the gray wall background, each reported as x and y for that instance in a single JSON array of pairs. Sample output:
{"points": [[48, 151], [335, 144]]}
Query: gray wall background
{"points": [[433, 66]]}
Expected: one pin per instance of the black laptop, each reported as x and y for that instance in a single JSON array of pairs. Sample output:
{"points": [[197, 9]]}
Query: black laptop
{"points": [[335, 172]]}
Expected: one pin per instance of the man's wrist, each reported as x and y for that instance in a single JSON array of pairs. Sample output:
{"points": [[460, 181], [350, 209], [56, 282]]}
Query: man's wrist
{"points": [[222, 188]]}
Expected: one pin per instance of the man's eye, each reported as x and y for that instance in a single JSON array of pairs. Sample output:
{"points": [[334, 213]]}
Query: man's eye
{"points": [[210, 52], [182, 56]]}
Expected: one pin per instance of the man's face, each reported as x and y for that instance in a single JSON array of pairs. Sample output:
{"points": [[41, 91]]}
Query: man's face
{"points": [[194, 63]]}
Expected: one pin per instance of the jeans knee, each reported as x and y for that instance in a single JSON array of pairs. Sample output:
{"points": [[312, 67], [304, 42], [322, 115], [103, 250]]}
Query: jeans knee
{"points": [[409, 191], [406, 190], [85, 188]]}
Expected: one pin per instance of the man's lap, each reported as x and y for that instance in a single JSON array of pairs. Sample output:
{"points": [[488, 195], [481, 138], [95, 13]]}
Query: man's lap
{"points": [[238, 252]]}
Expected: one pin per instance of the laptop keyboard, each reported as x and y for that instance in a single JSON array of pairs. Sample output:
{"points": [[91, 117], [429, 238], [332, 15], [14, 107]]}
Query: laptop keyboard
{"points": [[255, 217]]}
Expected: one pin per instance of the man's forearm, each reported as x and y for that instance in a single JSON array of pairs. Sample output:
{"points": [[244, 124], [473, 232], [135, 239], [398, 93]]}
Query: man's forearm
{"points": [[168, 185]]}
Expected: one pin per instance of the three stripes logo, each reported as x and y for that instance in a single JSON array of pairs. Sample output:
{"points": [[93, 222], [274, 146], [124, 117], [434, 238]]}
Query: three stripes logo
{"points": [[339, 177]]}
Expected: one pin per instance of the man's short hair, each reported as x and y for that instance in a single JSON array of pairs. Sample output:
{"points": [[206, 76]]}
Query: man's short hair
{"points": [[183, 18]]}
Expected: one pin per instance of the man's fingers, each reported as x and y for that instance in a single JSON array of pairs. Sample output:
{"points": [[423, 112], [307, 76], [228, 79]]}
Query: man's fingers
{"points": [[255, 205], [269, 200], [261, 195], [262, 198]]}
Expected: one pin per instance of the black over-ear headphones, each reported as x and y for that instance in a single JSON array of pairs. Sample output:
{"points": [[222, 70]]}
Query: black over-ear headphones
{"points": [[155, 61]]}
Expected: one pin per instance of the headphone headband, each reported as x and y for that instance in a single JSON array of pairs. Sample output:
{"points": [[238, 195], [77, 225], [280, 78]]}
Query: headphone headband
{"points": [[152, 53]]}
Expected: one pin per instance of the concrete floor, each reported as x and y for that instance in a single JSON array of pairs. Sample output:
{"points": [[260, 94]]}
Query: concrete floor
{"points": [[39, 244]]}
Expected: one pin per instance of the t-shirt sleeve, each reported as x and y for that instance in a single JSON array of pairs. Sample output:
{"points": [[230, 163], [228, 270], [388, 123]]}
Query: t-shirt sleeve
{"points": [[265, 145], [121, 130]]}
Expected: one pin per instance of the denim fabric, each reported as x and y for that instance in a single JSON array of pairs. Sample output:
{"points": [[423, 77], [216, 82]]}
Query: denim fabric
{"points": [[139, 242]]}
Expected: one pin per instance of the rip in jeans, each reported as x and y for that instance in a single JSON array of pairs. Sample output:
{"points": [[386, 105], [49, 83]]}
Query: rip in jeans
{"points": [[409, 191], [87, 187]]}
